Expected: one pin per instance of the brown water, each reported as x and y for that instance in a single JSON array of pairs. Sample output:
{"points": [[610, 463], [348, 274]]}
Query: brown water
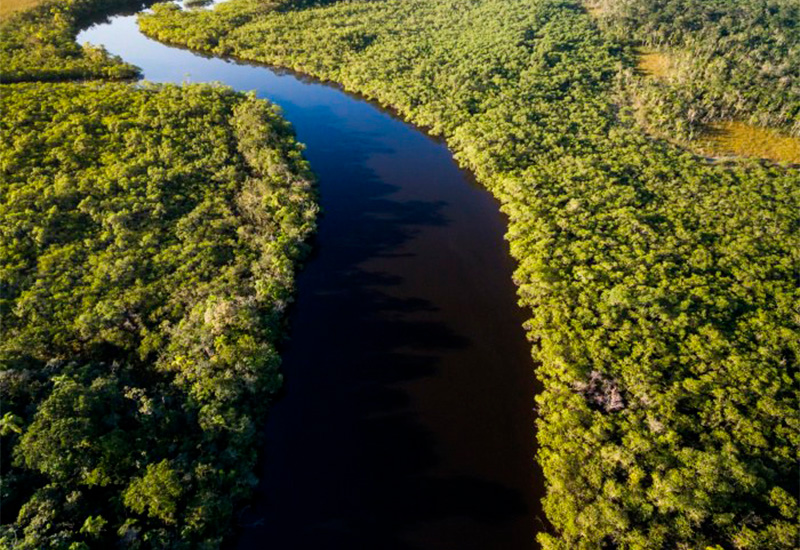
{"points": [[406, 421]]}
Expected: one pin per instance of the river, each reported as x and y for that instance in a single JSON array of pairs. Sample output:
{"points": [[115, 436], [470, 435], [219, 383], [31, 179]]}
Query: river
{"points": [[406, 422]]}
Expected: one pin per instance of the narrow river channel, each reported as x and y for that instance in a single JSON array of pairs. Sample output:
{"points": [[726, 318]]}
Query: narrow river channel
{"points": [[406, 421]]}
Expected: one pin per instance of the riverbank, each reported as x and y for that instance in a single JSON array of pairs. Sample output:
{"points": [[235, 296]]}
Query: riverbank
{"points": [[407, 367], [149, 241]]}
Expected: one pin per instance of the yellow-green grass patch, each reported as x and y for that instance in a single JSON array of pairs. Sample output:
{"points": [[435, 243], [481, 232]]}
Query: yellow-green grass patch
{"points": [[8, 7], [595, 8], [733, 138], [654, 63]]}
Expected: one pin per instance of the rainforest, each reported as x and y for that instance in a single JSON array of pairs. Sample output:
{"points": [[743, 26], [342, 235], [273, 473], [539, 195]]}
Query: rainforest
{"points": [[645, 157]]}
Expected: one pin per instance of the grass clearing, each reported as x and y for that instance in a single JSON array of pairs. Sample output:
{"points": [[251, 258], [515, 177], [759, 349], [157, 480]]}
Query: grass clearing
{"points": [[596, 8], [654, 64], [735, 138], [8, 7]]}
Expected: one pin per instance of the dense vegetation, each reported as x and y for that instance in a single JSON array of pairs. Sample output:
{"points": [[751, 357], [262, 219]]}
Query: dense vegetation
{"points": [[662, 289], [39, 43], [148, 241], [148, 237], [730, 59]]}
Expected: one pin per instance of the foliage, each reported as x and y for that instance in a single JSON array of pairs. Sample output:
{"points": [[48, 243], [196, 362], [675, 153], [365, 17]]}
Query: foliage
{"points": [[148, 237], [197, 3], [39, 43], [662, 289], [157, 492], [731, 59]]}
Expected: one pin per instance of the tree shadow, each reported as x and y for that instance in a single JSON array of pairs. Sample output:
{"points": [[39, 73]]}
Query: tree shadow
{"points": [[347, 462]]}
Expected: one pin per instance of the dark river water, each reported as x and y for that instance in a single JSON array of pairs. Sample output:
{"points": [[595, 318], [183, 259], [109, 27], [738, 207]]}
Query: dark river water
{"points": [[406, 421]]}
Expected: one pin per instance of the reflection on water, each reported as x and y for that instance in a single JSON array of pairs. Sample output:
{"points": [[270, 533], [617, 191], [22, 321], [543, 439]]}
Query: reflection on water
{"points": [[406, 420]]}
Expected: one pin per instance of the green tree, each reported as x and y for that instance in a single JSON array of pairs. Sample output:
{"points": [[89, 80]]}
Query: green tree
{"points": [[157, 493]]}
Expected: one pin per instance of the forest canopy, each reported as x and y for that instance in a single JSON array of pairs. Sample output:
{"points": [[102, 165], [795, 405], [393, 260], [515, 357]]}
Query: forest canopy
{"points": [[729, 60], [662, 288], [149, 236], [148, 242], [38, 44]]}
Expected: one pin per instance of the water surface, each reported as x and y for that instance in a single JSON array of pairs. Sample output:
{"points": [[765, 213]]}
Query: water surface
{"points": [[406, 421]]}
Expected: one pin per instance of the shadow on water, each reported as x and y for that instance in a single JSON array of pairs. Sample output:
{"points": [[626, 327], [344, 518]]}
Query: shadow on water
{"points": [[406, 419], [346, 460]]}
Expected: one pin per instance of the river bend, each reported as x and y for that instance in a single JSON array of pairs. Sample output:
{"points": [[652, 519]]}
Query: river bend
{"points": [[406, 421]]}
